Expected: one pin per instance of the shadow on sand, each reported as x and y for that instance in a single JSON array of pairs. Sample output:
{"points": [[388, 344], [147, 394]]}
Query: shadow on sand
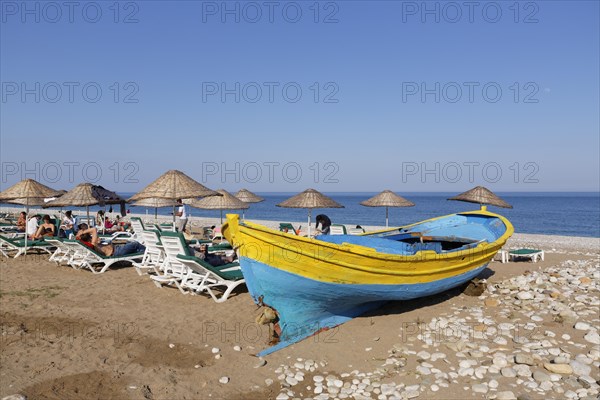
{"points": [[401, 307]]}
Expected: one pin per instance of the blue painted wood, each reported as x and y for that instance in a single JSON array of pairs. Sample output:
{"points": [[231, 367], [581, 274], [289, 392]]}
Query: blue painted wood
{"points": [[306, 306]]}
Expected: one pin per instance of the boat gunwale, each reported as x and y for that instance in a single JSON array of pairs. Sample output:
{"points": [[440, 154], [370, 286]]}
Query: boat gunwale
{"points": [[475, 255]]}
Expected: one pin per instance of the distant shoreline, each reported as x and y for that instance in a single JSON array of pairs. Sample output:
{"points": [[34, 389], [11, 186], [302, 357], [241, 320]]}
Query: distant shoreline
{"points": [[198, 222]]}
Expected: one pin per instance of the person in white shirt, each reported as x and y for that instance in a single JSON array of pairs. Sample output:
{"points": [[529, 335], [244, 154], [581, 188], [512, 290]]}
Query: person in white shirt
{"points": [[181, 215], [32, 225], [68, 224]]}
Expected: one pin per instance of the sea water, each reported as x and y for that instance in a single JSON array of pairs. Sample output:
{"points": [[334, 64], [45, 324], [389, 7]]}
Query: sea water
{"points": [[556, 213]]}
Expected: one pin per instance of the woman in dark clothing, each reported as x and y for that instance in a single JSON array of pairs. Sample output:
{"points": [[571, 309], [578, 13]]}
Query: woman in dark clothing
{"points": [[325, 224]]}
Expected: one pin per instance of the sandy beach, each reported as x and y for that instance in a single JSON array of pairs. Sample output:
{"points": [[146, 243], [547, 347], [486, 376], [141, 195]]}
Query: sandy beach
{"points": [[533, 334]]}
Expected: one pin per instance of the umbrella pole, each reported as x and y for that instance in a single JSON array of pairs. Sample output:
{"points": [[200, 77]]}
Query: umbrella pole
{"points": [[221, 217], [104, 218], [309, 222], [26, 222], [386, 217]]}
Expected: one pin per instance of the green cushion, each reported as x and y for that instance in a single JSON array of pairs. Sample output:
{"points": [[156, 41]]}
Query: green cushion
{"points": [[21, 242], [343, 228], [219, 247], [524, 252]]}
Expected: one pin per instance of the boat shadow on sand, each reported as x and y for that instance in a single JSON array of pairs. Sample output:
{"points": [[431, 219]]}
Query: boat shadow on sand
{"points": [[405, 306]]}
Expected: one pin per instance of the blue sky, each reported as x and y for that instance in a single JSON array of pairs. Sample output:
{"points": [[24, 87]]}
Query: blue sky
{"points": [[410, 96]]}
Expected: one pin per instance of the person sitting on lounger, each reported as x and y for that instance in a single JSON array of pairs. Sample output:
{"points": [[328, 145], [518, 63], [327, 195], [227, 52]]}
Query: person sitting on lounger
{"points": [[67, 225], [47, 228], [22, 222], [107, 223], [100, 218], [212, 259], [123, 225], [89, 237], [325, 224], [32, 226]]}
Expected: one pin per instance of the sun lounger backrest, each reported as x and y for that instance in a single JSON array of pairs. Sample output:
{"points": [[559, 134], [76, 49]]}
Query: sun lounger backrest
{"points": [[151, 238], [355, 231], [173, 243], [137, 225], [337, 229]]}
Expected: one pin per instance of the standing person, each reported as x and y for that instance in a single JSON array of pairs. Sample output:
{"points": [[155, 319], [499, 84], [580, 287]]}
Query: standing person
{"points": [[325, 224], [100, 219], [181, 215]]}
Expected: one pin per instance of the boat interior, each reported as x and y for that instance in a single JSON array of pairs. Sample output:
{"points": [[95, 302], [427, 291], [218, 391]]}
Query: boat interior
{"points": [[454, 233]]}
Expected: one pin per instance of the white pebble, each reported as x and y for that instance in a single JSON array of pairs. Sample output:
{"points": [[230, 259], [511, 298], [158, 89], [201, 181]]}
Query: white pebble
{"points": [[582, 326], [224, 379], [479, 388], [592, 337], [261, 363], [291, 380]]}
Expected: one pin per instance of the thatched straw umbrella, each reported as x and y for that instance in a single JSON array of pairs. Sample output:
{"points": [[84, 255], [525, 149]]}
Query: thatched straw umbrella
{"points": [[174, 185], [224, 202], [387, 199], [27, 192], [481, 196], [27, 189], [156, 204], [310, 199], [86, 195], [247, 197]]}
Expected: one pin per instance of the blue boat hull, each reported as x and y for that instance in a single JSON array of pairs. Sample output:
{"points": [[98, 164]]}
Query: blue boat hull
{"points": [[307, 306]]}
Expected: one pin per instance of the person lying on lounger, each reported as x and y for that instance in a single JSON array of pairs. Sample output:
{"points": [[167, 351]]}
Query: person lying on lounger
{"points": [[45, 229], [213, 259], [89, 237]]}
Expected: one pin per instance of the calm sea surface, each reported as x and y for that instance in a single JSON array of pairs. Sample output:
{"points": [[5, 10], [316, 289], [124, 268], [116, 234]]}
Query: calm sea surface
{"points": [[570, 214]]}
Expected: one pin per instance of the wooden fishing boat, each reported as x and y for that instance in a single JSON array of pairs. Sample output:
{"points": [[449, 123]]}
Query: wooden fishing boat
{"points": [[314, 284]]}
